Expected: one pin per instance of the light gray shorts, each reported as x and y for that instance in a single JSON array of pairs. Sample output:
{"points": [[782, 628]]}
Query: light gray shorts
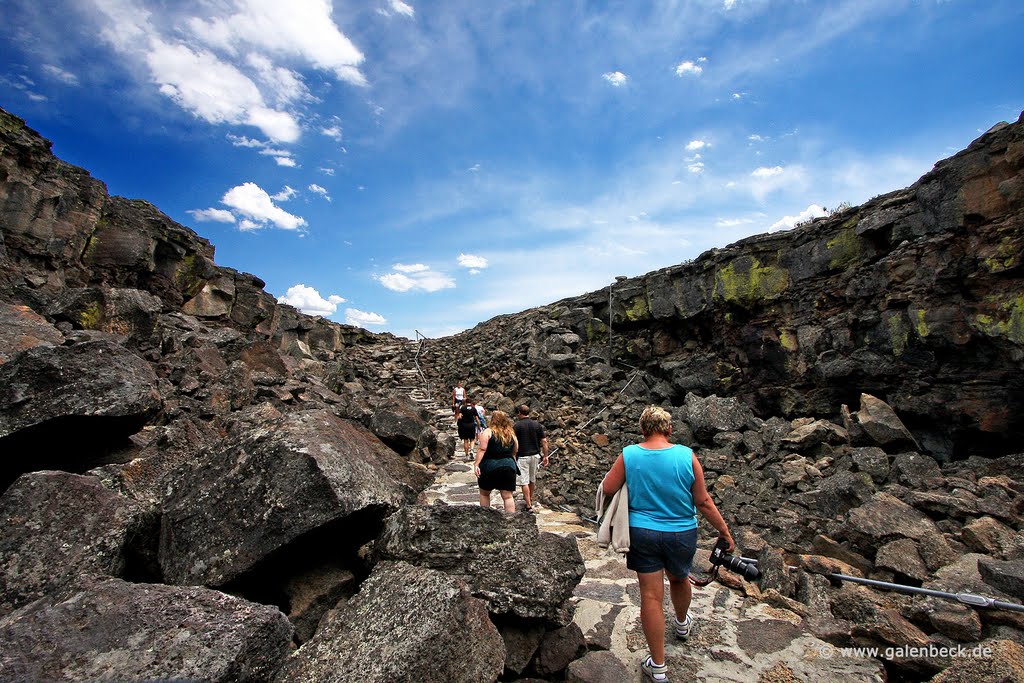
{"points": [[528, 465]]}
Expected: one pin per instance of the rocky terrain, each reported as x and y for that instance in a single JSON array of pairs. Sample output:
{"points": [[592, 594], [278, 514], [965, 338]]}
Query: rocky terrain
{"points": [[200, 483]]}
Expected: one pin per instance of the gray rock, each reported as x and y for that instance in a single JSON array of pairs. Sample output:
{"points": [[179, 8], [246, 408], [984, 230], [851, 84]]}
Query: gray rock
{"points": [[269, 486], [398, 424], [885, 518], [915, 470], [873, 461], [312, 593], [406, 625], [881, 423], [1006, 575], [90, 379], [558, 649], [598, 667], [1004, 665], [521, 638], [903, 557], [118, 631], [57, 527], [708, 416], [503, 558]]}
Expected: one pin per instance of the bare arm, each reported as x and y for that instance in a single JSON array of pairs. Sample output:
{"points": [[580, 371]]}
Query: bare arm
{"points": [[485, 436], [545, 448], [515, 446], [703, 501], [615, 478]]}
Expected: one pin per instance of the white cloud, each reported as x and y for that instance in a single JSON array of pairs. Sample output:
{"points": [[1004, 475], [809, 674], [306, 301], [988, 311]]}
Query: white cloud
{"points": [[729, 4], [765, 172], [250, 200], [288, 162], [756, 138], [248, 225], [243, 141], [696, 167], [399, 7], [298, 29], [60, 74], [333, 132], [616, 78], [284, 85], [326, 171], [732, 222], [309, 301], [471, 261], [689, 67], [216, 215], [475, 168], [353, 316], [410, 268], [322, 191], [694, 145], [787, 222], [418, 277], [285, 194]]}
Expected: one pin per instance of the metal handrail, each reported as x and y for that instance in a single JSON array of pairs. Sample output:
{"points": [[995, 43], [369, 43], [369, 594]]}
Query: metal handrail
{"points": [[416, 360]]}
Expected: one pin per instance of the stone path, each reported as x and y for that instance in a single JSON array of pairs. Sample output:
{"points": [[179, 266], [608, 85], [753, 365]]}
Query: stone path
{"points": [[734, 639]]}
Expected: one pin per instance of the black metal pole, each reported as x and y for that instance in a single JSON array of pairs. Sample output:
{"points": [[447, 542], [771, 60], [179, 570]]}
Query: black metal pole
{"points": [[965, 598]]}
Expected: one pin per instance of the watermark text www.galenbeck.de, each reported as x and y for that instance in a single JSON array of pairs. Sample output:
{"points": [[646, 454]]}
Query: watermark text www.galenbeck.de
{"points": [[904, 652]]}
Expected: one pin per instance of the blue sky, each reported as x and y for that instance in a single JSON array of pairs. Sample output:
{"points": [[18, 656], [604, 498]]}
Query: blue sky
{"points": [[405, 165]]}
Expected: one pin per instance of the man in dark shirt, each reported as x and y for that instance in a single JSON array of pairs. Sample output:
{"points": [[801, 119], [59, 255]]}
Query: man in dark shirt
{"points": [[533, 445]]}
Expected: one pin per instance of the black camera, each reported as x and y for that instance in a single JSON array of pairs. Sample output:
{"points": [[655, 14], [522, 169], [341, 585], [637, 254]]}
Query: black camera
{"points": [[745, 568]]}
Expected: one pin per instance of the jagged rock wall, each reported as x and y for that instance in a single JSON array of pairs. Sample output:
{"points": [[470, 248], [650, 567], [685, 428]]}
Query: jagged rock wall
{"points": [[916, 297]]}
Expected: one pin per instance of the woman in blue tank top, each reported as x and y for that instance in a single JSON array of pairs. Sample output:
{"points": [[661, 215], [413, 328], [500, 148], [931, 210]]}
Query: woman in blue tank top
{"points": [[666, 489]]}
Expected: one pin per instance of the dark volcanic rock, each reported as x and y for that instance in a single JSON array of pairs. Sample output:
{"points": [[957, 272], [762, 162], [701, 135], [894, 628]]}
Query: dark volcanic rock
{"points": [[66, 407], [272, 485], [407, 625], [502, 557], [118, 631], [22, 328], [57, 527]]}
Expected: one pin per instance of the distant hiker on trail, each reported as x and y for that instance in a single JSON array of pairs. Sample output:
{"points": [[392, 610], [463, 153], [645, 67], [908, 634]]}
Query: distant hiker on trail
{"points": [[532, 445], [495, 465], [665, 489], [458, 396], [482, 424], [467, 419]]}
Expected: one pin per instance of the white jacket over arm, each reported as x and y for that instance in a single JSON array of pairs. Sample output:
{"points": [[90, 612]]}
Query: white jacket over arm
{"points": [[613, 526]]}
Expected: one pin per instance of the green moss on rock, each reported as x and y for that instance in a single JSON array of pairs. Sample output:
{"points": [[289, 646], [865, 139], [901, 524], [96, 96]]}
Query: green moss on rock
{"points": [[91, 317], [638, 309], [739, 283], [899, 332], [844, 249], [1010, 321]]}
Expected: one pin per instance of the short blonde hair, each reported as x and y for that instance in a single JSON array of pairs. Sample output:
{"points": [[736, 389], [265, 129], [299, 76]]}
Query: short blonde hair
{"points": [[655, 420]]}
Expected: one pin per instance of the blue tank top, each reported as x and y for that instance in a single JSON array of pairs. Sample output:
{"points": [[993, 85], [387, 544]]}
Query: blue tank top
{"points": [[660, 488]]}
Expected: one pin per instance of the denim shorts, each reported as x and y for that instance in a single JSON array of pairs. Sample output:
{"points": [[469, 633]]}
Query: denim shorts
{"points": [[651, 551]]}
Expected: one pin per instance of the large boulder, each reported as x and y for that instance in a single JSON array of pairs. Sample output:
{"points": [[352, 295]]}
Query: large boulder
{"points": [[881, 423], [406, 625], [62, 407], [58, 526], [22, 328], [271, 485], [118, 631], [503, 558], [708, 416]]}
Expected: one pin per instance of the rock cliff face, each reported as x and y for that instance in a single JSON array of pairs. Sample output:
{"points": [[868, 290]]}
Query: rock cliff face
{"points": [[916, 297]]}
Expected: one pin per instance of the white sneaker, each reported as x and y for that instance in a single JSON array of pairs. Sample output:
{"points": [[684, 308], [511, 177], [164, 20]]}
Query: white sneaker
{"points": [[658, 674], [683, 627]]}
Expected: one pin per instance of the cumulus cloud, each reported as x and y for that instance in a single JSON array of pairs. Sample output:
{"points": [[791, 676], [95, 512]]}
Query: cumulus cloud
{"points": [[472, 261], [301, 30], [616, 78], [690, 67], [694, 145], [333, 132], [416, 276], [353, 316], [309, 301], [788, 222], [215, 215], [287, 162], [322, 191], [253, 202], [695, 167], [227, 68], [729, 4]]}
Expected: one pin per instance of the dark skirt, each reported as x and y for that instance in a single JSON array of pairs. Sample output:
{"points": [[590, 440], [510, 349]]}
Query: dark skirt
{"points": [[467, 430], [501, 478]]}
